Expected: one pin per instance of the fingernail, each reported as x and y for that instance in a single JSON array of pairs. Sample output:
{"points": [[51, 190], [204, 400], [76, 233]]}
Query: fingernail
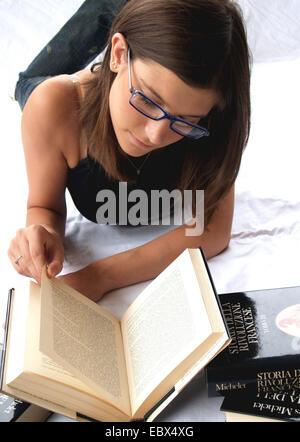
{"points": [[52, 273]]}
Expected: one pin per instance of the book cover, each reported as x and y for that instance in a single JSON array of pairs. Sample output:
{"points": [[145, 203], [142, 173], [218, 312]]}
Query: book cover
{"points": [[15, 410], [3, 344], [11, 409], [283, 406], [265, 349]]}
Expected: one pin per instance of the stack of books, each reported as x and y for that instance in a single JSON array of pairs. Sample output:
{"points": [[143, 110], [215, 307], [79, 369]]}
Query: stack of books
{"points": [[259, 372], [15, 410]]}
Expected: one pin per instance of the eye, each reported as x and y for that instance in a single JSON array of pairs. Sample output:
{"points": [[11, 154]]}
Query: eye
{"points": [[194, 120], [190, 120], [145, 102]]}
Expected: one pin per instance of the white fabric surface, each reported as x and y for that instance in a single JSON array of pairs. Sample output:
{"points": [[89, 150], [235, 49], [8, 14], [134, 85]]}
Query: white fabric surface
{"points": [[264, 250]]}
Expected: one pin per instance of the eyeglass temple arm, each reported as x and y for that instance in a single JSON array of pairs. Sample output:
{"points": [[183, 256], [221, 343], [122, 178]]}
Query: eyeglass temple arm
{"points": [[129, 70]]}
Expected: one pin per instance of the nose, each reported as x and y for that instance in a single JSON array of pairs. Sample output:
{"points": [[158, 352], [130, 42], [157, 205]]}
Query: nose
{"points": [[157, 131]]}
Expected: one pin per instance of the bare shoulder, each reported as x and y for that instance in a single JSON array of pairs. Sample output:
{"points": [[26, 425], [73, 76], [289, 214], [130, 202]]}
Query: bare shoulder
{"points": [[56, 96], [51, 113]]}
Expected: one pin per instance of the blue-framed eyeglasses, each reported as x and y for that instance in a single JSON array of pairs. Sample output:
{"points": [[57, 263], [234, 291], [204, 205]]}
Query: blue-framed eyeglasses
{"points": [[150, 109]]}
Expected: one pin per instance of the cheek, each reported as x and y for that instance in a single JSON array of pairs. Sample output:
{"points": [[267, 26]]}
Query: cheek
{"points": [[173, 137], [115, 104], [123, 115], [125, 118]]}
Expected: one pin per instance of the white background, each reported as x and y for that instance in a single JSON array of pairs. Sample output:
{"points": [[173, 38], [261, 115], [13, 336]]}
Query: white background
{"points": [[265, 247]]}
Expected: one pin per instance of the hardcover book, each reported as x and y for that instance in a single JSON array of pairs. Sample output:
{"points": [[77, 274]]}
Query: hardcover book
{"points": [[281, 407], [68, 354], [264, 354], [14, 410]]}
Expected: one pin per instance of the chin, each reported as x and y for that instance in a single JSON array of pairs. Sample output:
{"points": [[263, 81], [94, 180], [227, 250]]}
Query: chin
{"points": [[133, 152]]}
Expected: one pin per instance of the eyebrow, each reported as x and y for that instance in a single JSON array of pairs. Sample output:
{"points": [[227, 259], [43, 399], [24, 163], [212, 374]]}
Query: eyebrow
{"points": [[162, 101]]}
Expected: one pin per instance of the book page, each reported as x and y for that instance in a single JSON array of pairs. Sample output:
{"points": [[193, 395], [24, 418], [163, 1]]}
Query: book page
{"points": [[85, 339], [35, 361], [24, 354], [165, 324]]}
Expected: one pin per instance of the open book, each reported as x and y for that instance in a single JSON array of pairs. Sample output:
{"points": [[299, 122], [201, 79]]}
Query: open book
{"points": [[68, 354]]}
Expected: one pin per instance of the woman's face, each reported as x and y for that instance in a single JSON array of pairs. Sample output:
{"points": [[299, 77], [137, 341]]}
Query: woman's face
{"points": [[137, 134]]}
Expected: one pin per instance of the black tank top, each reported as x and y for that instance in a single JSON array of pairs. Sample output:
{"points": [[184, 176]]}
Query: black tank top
{"points": [[161, 171]]}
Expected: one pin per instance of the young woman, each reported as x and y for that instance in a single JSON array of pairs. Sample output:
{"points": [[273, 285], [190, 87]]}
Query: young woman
{"points": [[168, 108]]}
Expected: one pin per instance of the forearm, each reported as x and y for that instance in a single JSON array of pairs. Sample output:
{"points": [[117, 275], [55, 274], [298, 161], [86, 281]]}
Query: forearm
{"points": [[140, 264], [51, 220], [146, 262], [136, 265]]}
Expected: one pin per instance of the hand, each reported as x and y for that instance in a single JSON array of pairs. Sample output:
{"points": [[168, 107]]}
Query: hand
{"points": [[33, 247]]}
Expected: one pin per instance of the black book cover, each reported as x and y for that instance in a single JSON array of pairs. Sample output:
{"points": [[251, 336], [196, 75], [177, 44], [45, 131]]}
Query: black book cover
{"points": [[283, 406], [11, 410], [214, 290], [265, 350], [4, 344]]}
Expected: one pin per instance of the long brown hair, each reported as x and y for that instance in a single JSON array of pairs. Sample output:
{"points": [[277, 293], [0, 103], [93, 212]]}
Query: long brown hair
{"points": [[204, 43]]}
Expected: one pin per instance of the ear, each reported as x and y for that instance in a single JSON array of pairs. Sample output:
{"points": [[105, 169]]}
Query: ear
{"points": [[118, 55]]}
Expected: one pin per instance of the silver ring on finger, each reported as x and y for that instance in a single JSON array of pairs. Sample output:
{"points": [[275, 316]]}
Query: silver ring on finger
{"points": [[18, 259]]}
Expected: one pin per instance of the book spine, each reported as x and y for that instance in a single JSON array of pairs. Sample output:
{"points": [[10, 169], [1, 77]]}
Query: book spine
{"points": [[4, 344], [273, 376], [281, 406], [214, 290], [158, 404], [11, 410]]}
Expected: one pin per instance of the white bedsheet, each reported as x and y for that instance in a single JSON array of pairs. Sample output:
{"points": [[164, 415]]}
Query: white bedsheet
{"points": [[264, 251]]}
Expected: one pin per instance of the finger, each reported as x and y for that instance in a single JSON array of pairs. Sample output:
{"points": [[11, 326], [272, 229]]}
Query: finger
{"points": [[37, 239], [46, 248], [18, 265], [55, 258], [13, 251], [54, 268], [26, 264], [38, 256], [15, 255]]}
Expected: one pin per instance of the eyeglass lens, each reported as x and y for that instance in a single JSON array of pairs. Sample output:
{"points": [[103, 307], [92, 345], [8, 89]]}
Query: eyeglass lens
{"points": [[147, 107]]}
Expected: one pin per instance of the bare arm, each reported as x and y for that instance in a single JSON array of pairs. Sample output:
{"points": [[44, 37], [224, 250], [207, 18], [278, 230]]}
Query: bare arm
{"points": [[44, 125], [147, 261]]}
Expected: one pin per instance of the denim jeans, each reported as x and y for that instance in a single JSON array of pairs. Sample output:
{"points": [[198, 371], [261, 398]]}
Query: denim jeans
{"points": [[73, 47]]}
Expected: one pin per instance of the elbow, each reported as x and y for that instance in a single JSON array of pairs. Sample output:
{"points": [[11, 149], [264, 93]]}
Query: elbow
{"points": [[212, 241], [224, 244], [219, 247], [225, 241], [215, 245]]}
